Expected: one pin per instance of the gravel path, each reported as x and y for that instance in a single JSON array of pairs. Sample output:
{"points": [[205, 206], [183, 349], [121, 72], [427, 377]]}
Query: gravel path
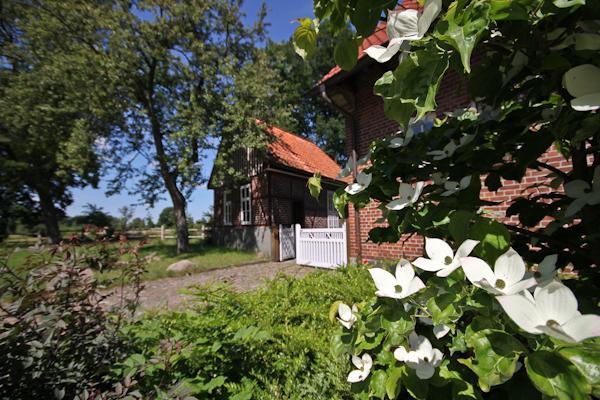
{"points": [[165, 292]]}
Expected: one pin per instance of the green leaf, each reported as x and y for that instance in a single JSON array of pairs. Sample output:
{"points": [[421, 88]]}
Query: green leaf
{"points": [[459, 225], [462, 389], [393, 385], [305, 38], [377, 384], [340, 201], [556, 377], [424, 69], [415, 386], [345, 53], [462, 28], [494, 239], [314, 185], [444, 308], [586, 357], [333, 311]]}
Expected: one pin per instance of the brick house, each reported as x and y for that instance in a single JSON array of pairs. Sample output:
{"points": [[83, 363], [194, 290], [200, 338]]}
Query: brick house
{"points": [[351, 92], [247, 215]]}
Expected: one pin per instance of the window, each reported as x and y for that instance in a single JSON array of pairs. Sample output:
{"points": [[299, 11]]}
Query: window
{"points": [[246, 205], [333, 218], [226, 207]]}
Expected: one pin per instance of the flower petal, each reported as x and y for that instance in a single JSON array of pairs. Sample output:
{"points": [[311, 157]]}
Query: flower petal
{"points": [[583, 327], [548, 265], [430, 12], [465, 248], [556, 302], [523, 312], [383, 54], [509, 267], [396, 205], [346, 324], [402, 24], [428, 265], [438, 249], [418, 189], [415, 285], [577, 188], [357, 361], [477, 270], [344, 312], [575, 206], [438, 356], [384, 281], [582, 80], [519, 286], [440, 331], [367, 362], [404, 273], [356, 376], [589, 102]]}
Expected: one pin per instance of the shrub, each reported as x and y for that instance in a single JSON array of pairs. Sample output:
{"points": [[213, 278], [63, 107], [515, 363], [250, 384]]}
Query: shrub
{"points": [[269, 344], [56, 340]]}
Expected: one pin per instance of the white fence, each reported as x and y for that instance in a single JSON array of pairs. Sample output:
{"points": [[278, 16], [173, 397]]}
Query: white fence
{"points": [[163, 233], [321, 247]]}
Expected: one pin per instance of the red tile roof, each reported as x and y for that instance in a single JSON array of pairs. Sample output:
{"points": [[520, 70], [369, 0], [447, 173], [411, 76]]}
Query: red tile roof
{"points": [[379, 37], [296, 152]]}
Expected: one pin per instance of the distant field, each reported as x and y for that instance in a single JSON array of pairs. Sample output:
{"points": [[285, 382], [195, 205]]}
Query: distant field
{"points": [[205, 257]]}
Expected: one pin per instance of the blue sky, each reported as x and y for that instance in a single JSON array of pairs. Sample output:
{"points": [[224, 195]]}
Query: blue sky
{"points": [[281, 16]]}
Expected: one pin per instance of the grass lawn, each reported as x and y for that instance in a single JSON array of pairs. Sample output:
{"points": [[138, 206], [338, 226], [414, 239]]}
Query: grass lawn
{"points": [[205, 257]]}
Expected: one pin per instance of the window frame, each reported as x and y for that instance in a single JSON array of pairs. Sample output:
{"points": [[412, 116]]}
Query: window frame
{"points": [[246, 204]]}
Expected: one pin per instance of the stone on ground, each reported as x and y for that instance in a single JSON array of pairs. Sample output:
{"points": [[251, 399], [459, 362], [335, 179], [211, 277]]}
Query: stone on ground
{"points": [[182, 265]]}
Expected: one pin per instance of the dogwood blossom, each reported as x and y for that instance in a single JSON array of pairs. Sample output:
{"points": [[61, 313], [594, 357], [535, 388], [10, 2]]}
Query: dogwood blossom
{"points": [[545, 271], [407, 196], [402, 285], [350, 165], [439, 330], [346, 315], [583, 193], [363, 365], [552, 310], [422, 357], [362, 182], [506, 278], [405, 25], [442, 259], [583, 83], [453, 187]]}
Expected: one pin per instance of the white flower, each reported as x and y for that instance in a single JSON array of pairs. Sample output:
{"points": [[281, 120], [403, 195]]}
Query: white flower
{"points": [[347, 316], [401, 141], [441, 257], [404, 284], [439, 331], [362, 182], [405, 25], [506, 278], [453, 187], [423, 358], [350, 165], [407, 196], [551, 310], [363, 366], [545, 270], [583, 83], [583, 193]]}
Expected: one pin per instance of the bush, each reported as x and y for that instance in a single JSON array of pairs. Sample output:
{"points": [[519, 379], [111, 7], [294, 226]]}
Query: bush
{"points": [[269, 344], [56, 340]]}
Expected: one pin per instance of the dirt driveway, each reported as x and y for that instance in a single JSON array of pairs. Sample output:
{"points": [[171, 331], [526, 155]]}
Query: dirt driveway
{"points": [[165, 292]]}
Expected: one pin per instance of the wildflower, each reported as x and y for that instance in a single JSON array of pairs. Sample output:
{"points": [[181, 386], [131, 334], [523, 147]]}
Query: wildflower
{"points": [[583, 83], [552, 310], [362, 182], [402, 285], [422, 357], [505, 279], [453, 187], [346, 315], [442, 259], [363, 366], [407, 196], [583, 193]]}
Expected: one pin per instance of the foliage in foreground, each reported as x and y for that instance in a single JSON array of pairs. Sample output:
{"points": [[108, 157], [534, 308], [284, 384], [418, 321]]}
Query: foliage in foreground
{"points": [[56, 339], [269, 344]]}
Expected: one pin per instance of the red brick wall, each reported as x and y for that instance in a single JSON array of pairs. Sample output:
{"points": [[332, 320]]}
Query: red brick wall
{"points": [[372, 124], [260, 203]]}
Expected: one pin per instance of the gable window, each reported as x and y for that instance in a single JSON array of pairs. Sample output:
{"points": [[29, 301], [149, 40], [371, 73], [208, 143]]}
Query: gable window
{"points": [[333, 218], [226, 207], [246, 205]]}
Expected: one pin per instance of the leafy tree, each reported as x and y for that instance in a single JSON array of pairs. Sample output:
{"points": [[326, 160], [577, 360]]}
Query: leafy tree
{"points": [[49, 123], [166, 217], [175, 63], [94, 215], [535, 86], [137, 223], [125, 213]]}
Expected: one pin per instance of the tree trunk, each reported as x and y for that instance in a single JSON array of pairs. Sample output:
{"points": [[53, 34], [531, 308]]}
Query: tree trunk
{"points": [[181, 228], [50, 216]]}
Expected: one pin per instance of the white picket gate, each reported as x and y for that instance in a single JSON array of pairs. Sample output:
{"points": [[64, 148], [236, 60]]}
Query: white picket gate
{"points": [[321, 247], [287, 244]]}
